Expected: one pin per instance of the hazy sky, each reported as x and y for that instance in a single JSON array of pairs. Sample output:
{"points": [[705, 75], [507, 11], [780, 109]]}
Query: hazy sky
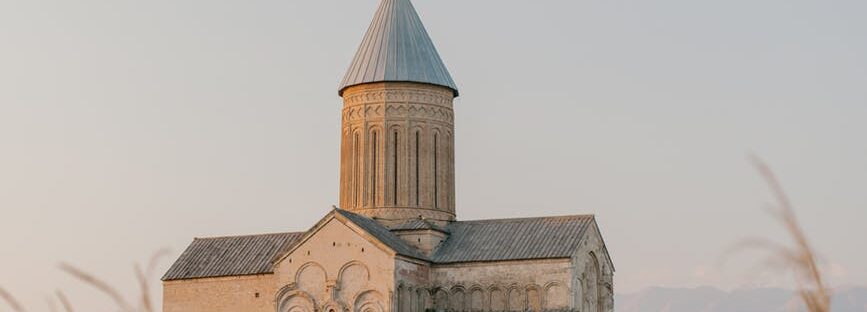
{"points": [[127, 126]]}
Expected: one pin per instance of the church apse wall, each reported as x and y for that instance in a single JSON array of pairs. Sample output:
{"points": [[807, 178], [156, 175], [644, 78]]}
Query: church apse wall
{"points": [[538, 285]]}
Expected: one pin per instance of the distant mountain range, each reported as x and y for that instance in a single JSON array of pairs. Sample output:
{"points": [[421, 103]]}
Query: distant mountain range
{"points": [[708, 299]]}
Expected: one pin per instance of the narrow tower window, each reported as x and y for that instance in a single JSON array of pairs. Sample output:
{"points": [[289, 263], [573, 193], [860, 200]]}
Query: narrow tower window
{"points": [[417, 200], [436, 172], [356, 186], [447, 155], [394, 168], [373, 168]]}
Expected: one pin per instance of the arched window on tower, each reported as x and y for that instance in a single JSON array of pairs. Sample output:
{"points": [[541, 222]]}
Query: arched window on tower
{"points": [[356, 167], [417, 168], [449, 179], [436, 175], [374, 160], [395, 167]]}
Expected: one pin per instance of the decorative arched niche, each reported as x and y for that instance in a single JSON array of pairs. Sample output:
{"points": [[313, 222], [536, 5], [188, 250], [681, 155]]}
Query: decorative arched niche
{"points": [[477, 299], [295, 301], [369, 301], [352, 280], [556, 296], [498, 299], [311, 278]]}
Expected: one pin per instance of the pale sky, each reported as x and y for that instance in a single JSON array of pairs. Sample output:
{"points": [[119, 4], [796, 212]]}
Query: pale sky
{"points": [[128, 126]]}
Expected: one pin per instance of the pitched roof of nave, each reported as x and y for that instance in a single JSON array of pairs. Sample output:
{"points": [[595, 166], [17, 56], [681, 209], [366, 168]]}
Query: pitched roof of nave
{"points": [[231, 256], [513, 239], [468, 241], [397, 48]]}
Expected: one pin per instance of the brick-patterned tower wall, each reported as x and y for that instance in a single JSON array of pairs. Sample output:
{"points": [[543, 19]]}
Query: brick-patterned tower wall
{"points": [[397, 152]]}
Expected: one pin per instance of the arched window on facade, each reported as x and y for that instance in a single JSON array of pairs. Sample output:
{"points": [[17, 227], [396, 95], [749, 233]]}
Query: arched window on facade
{"points": [[593, 296]]}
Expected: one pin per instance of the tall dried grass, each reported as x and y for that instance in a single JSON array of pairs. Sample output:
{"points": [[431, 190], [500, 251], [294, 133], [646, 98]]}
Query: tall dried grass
{"points": [[10, 300], [142, 304], [800, 257]]}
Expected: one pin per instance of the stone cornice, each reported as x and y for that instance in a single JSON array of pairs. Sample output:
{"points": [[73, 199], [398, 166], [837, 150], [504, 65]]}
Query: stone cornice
{"points": [[398, 92], [437, 113]]}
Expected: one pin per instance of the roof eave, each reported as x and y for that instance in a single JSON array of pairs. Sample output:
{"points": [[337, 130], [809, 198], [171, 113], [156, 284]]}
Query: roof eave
{"points": [[502, 260], [452, 88], [215, 276]]}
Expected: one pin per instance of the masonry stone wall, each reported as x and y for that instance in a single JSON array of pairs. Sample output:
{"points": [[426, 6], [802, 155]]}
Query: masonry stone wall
{"points": [[593, 276], [239, 293], [340, 269], [425, 241], [397, 152], [539, 285]]}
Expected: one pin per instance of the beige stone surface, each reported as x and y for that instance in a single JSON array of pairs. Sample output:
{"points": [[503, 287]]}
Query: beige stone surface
{"points": [[509, 286], [338, 267], [531, 285], [237, 293], [425, 241], [593, 277], [397, 151]]}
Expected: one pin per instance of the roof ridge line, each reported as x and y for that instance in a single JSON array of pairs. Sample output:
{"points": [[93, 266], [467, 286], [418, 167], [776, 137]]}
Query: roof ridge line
{"points": [[248, 235], [529, 218]]}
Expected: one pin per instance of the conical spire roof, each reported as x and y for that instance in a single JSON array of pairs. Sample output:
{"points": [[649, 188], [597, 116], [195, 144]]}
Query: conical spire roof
{"points": [[397, 48]]}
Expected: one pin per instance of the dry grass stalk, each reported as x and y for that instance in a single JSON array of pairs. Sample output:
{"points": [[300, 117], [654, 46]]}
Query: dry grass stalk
{"points": [[801, 257], [10, 300], [144, 303], [100, 285], [64, 301]]}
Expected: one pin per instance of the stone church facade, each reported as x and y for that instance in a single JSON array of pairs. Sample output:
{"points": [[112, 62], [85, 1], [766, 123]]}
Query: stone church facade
{"points": [[394, 244]]}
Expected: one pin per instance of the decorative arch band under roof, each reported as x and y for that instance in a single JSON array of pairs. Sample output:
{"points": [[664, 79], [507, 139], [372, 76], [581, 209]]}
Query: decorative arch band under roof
{"points": [[397, 48]]}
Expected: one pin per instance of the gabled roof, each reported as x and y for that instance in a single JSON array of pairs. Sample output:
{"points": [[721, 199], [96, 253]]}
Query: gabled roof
{"points": [[513, 239], [230, 256], [382, 234], [397, 48], [468, 241]]}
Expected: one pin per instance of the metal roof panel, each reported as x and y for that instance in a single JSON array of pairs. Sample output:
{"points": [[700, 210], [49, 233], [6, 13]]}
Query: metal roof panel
{"points": [[230, 256], [512, 239], [397, 48]]}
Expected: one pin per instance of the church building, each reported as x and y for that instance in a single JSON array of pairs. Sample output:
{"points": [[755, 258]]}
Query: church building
{"points": [[395, 242]]}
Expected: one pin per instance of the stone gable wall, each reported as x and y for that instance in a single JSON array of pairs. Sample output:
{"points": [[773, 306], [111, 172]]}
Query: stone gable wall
{"points": [[594, 276], [338, 268]]}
